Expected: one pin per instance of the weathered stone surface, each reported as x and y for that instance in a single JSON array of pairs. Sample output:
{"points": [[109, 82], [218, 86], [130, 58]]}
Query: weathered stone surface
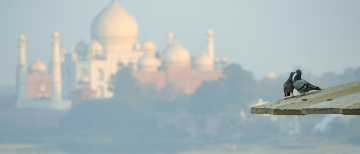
{"points": [[316, 102], [334, 106], [269, 107]]}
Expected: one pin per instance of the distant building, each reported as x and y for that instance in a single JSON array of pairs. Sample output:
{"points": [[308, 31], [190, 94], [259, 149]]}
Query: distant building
{"points": [[36, 87], [85, 71]]}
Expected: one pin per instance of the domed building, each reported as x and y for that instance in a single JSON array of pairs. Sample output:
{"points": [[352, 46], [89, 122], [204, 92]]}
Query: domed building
{"points": [[149, 47], [86, 70], [95, 50], [81, 50], [38, 67], [37, 86], [115, 29], [176, 56], [39, 80], [149, 63], [204, 62]]}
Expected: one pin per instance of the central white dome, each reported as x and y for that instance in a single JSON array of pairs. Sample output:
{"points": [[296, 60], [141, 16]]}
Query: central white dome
{"points": [[115, 29]]}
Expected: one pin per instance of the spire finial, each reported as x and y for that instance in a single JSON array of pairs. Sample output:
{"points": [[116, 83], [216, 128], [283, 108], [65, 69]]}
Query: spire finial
{"points": [[22, 37], [210, 32], [56, 34]]}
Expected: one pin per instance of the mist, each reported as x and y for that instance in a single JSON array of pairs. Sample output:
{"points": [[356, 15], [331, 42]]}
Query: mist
{"points": [[262, 36], [147, 104]]}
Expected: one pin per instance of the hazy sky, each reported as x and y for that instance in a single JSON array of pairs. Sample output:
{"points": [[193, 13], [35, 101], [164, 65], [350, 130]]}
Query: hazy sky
{"points": [[262, 36]]}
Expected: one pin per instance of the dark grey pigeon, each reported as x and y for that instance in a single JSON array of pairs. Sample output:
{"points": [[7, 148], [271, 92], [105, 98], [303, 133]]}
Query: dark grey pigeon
{"points": [[288, 86], [301, 85]]}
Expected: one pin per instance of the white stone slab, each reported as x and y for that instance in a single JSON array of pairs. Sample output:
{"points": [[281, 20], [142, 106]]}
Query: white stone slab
{"points": [[334, 106]]}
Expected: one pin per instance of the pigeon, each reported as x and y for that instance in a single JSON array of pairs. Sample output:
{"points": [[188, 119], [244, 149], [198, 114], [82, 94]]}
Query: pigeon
{"points": [[288, 86], [302, 85]]}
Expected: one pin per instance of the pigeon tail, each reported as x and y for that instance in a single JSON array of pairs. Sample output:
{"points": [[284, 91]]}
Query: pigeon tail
{"points": [[313, 87]]}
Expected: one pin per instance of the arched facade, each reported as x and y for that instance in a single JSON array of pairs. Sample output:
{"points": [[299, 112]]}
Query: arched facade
{"points": [[86, 70]]}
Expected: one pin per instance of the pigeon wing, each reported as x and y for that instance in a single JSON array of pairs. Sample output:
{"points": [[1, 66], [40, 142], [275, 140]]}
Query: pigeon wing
{"points": [[303, 85], [299, 84], [311, 87]]}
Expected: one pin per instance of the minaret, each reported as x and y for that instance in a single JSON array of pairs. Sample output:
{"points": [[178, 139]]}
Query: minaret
{"points": [[210, 41], [22, 71], [56, 68]]}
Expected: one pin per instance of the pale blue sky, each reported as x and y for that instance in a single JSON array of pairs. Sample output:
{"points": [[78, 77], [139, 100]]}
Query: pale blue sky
{"points": [[262, 36]]}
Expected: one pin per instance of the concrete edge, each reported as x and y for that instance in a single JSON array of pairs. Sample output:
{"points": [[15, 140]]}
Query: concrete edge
{"points": [[255, 110], [350, 111], [322, 111], [287, 112]]}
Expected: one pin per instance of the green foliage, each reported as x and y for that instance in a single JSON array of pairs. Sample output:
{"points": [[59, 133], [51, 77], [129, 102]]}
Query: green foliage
{"points": [[238, 87], [126, 88], [132, 107], [171, 93]]}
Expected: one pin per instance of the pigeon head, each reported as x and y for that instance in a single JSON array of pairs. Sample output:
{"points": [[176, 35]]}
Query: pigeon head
{"points": [[291, 75], [298, 75]]}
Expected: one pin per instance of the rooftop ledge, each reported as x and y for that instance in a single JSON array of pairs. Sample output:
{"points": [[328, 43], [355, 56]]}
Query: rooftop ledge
{"points": [[342, 99]]}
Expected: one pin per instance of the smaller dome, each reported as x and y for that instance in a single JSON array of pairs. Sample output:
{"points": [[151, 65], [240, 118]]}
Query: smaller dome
{"points": [[204, 62], [148, 63], [84, 79], [95, 48], [204, 59], [81, 47], [149, 46], [224, 59], [149, 60], [22, 37], [176, 53], [270, 75], [55, 35], [38, 67]]}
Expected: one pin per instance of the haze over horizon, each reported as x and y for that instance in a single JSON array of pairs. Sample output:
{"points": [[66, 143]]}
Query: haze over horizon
{"points": [[261, 36]]}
